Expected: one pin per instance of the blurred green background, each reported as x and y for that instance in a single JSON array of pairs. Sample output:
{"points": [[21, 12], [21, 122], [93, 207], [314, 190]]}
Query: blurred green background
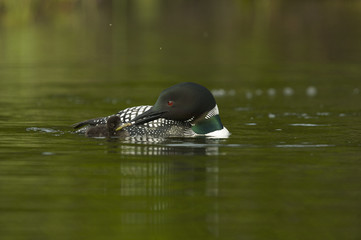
{"points": [[217, 38]]}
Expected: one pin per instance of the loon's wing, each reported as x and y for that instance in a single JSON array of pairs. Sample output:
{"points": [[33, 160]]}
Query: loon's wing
{"points": [[91, 122], [128, 114], [125, 115]]}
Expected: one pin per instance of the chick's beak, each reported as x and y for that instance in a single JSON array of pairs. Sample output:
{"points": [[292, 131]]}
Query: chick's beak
{"points": [[123, 126]]}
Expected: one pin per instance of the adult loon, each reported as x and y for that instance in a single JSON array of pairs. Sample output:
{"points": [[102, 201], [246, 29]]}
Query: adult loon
{"points": [[183, 110]]}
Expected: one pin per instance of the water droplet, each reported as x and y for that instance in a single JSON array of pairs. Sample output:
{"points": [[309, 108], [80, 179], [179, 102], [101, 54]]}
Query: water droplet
{"points": [[271, 92], [232, 92], [218, 92], [323, 113], [271, 115], [47, 153], [288, 91], [259, 92], [311, 91], [249, 95]]}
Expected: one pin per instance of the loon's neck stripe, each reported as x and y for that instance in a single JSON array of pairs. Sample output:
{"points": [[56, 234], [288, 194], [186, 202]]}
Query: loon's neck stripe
{"points": [[208, 125], [213, 112]]}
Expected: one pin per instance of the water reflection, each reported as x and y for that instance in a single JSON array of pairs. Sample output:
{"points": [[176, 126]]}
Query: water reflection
{"points": [[165, 147], [157, 190]]}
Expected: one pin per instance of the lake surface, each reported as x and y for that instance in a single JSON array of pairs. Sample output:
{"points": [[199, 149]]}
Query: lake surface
{"points": [[287, 80]]}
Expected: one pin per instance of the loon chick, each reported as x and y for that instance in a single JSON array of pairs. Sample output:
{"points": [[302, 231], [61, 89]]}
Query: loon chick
{"points": [[106, 130], [183, 110]]}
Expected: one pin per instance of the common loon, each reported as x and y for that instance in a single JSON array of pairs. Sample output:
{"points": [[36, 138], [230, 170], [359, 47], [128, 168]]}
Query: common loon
{"points": [[183, 110]]}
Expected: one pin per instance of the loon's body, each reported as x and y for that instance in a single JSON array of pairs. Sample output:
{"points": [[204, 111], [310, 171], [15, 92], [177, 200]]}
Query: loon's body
{"points": [[183, 110]]}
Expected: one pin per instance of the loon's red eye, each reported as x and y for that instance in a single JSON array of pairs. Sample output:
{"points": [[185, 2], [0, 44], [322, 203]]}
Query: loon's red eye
{"points": [[170, 103]]}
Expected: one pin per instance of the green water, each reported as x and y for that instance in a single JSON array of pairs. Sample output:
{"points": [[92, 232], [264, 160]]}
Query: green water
{"points": [[287, 79]]}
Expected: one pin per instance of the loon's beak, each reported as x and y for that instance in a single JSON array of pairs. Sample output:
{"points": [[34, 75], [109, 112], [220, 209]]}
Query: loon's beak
{"points": [[148, 116]]}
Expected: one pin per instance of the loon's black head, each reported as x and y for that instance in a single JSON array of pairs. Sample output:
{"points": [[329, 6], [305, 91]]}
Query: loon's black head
{"points": [[186, 102]]}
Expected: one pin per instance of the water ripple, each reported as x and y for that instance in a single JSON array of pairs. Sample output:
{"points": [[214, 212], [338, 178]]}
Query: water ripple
{"points": [[303, 145], [37, 129], [309, 125], [44, 130]]}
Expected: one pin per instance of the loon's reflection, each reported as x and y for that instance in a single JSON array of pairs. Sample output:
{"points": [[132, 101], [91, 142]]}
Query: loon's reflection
{"points": [[169, 183], [159, 147]]}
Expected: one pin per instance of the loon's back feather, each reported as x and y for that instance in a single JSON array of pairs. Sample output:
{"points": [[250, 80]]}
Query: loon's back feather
{"points": [[159, 128], [125, 116]]}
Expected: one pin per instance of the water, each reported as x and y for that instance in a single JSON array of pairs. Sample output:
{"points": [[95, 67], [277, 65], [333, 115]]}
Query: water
{"points": [[287, 82]]}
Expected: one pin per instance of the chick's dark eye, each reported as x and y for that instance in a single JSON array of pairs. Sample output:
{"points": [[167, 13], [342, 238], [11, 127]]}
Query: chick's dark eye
{"points": [[170, 103]]}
